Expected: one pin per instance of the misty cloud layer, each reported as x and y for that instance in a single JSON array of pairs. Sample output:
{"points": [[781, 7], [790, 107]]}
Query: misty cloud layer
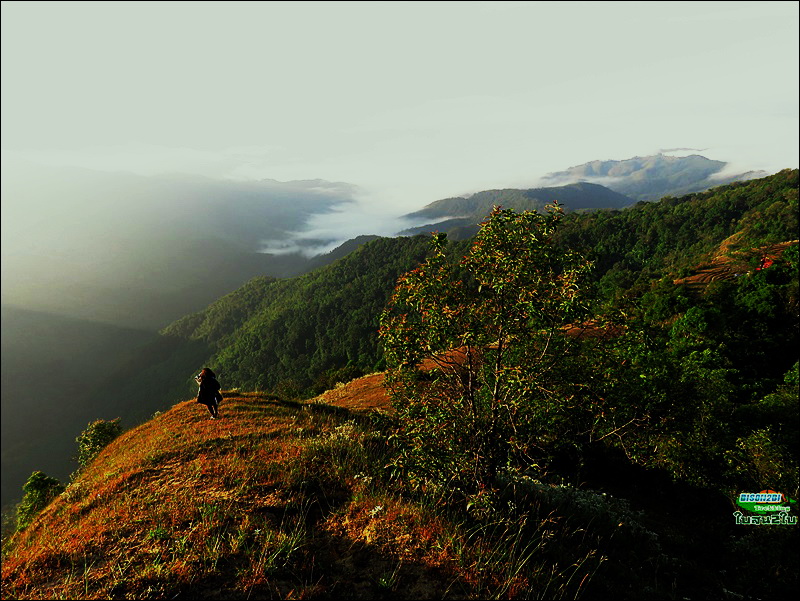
{"points": [[74, 238], [412, 102]]}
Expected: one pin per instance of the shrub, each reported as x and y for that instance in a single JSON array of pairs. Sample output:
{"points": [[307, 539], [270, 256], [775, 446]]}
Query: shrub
{"points": [[95, 438], [40, 489]]}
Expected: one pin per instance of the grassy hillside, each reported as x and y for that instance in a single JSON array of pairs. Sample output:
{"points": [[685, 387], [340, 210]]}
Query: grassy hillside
{"points": [[287, 500]]}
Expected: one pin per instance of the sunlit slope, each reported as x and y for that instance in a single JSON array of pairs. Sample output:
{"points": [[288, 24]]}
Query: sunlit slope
{"points": [[362, 394], [189, 506]]}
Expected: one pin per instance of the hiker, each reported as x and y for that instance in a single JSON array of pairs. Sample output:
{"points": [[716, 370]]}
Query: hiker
{"points": [[209, 394]]}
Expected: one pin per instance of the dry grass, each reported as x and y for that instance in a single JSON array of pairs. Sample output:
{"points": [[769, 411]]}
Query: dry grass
{"points": [[362, 394], [164, 503], [274, 500], [730, 263], [198, 508]]}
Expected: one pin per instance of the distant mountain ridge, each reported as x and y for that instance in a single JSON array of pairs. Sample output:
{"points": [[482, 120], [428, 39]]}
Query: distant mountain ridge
{"points": [[652, 177], [596, 185], [460, 216]]}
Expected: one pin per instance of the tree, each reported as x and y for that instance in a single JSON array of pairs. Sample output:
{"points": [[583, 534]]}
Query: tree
{"points": [[40, 489], [95, 438], [478, 353]]}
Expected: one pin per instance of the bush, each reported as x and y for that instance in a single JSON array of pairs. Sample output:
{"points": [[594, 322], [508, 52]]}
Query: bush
{"points": [[40, 489], [95, 438]]}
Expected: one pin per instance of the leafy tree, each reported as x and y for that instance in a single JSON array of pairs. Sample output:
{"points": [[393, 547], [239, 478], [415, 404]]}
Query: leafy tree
{"points": [[40, 489], [489, 328], [95, 438]]}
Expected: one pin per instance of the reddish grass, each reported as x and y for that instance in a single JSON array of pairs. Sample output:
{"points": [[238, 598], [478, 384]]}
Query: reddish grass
{"points": [[185, 505], [729, 263], [362, 394]]}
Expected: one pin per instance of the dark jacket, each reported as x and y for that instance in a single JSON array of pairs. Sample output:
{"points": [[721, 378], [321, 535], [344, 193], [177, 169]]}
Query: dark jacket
{"points": [[209, 391]]}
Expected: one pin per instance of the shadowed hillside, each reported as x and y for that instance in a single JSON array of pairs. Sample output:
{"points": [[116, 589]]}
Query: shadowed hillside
{"points": [[50, 364]]}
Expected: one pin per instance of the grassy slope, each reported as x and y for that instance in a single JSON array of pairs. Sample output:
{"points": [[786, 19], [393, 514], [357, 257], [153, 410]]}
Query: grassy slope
{"points": [[276, 500], [220, 509], [292, 500]]}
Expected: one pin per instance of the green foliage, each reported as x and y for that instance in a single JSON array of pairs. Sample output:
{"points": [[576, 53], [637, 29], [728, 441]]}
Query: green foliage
{"points": [[636, 246], [760, 460], [39, 490], [95, 438], [491, 326], [668, 389], [697, 379], [300, 329], [290, 336], [767, 448]]}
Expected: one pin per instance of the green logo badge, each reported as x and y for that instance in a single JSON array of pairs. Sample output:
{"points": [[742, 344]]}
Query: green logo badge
{"points": [[771, 508]]}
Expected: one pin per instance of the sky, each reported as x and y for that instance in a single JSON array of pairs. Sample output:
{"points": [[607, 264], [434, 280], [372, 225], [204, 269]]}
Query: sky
{"points": [[409, 101]]}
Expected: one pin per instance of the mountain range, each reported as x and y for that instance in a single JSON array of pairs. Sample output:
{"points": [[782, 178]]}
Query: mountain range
{"points": [[628, 491], [83, 298], [653, 177], [459, 216]]}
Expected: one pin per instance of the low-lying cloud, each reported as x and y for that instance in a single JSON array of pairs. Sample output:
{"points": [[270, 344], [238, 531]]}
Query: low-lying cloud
{"points": [[326, 230]]}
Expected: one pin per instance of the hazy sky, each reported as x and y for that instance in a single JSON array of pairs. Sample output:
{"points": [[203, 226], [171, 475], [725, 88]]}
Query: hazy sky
{"points": [[410, 101]]}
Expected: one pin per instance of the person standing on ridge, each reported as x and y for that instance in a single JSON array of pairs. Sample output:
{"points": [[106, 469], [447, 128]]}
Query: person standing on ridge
{"points": [[209, 394]]}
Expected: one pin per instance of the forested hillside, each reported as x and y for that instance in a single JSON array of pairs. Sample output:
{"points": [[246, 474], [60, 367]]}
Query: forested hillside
{"points": [[287, 334], [670, 237]]}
